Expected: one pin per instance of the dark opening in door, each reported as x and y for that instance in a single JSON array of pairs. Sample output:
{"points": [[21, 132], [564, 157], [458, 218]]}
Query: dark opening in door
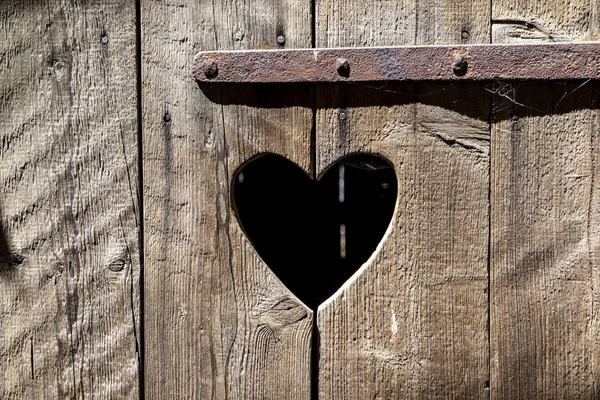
{"points": [[315, 234]]}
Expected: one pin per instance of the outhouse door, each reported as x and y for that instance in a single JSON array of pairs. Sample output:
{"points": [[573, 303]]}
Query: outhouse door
{"points": [[167, 236], [485, 280]]}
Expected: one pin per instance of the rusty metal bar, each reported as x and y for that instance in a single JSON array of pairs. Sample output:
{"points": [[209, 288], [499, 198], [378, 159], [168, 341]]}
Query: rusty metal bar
{"points": [[556, 61]]}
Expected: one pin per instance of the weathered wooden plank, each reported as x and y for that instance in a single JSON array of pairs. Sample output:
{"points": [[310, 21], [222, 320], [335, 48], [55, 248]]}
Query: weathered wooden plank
{"points": [[545, 240], [218, 324], [413, 322], [544, 244], [69, 303]]}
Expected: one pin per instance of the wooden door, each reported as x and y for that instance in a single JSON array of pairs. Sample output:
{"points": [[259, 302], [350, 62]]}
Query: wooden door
{"points": [[485, 285]]}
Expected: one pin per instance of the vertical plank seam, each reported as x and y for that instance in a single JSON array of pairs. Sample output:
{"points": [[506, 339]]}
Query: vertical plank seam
{"points": [[140, 342], [416, 29], [593, 14], [491, 39], [590, 245], [489, 243], [489, 249], [313, 26], [315, 355], [214, 15], [315, 351]]}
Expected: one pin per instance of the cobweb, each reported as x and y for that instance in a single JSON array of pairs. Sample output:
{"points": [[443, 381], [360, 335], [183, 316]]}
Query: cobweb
{"points": [[504, 93]]}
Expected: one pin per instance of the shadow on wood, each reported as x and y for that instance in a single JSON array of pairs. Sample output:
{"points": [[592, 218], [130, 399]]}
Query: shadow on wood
{"points": [[457, 97]]}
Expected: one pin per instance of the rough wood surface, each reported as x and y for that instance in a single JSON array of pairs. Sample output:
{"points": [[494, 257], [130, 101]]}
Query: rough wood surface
{"points": [[218, 324], [69, 300], [413, 322], [545, 218]]}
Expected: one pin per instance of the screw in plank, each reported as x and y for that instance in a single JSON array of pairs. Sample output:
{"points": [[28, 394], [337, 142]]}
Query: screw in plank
{"points": [[16, 258], [210, 68], [281, 39], [343, 67], [465, 34], [459, 65], [104, 39]]}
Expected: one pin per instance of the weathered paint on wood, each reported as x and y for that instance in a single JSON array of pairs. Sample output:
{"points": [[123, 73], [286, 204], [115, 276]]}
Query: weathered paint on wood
{"points": [[413, 323], [545, 218], [69, 303], [218, 324]]}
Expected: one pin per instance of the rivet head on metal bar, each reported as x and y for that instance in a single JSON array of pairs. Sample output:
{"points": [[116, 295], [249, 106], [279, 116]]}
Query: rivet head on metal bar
{"points": [[343, 67], [210, 68], [459, 65]]}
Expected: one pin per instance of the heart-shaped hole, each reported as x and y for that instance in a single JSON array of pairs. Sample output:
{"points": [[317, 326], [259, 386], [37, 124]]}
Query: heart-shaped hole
{"points": [[314, 235]]}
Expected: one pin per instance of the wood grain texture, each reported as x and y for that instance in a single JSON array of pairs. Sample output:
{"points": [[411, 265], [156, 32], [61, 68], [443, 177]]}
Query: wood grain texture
{"points": [[544, 245], [218, 323], [413, 322], [536, 21], [69, 300], [545, 218]]}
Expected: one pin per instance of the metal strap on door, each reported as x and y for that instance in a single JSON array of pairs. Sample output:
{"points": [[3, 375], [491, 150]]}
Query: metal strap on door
{"points": [[556, 61]]}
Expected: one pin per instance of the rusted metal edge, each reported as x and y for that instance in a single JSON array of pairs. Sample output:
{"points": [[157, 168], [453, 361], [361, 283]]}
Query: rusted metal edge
{"points": [[555, 61]]}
